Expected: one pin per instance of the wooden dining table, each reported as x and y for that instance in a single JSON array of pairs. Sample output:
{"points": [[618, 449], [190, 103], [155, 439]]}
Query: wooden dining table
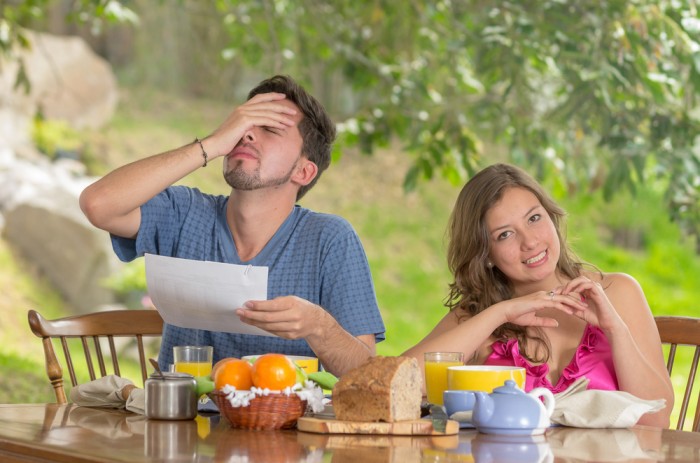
{"points": [[69, 433]]}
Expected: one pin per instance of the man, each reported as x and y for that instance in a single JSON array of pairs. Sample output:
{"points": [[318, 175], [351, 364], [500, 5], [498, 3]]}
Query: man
{"points": [[321, 299]]}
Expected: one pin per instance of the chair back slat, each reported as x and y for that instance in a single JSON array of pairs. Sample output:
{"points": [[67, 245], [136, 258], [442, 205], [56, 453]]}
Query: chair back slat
{"points": [[99, 356], [671, 358], [142, 357], [691, 383], [683, 332], [88, 358], [69, 360], [696, 419], [687, 392], [98, 327], [114, 355]]}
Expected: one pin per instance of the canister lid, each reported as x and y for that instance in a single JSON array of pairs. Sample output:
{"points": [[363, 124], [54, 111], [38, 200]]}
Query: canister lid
{"points": [[170, 375]]}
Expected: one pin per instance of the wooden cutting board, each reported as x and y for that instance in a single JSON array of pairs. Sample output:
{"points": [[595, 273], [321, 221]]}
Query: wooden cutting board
{"points": [[401, 428]]}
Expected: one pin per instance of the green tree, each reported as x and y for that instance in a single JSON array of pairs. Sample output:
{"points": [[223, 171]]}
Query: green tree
{"points": [[603, 94], [592, 94]]}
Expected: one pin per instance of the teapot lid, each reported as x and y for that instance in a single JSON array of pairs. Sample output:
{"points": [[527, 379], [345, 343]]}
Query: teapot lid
{"points": [[509, 387]]}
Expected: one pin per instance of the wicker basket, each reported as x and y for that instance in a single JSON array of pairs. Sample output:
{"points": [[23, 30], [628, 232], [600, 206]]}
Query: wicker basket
{"points": [[274, 411]]}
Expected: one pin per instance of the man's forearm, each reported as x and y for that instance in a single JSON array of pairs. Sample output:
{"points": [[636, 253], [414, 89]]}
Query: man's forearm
{"points": [[108, 202], [338, 350]]}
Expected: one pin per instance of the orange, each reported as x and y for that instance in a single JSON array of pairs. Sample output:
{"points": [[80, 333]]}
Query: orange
{"points": [[218, 364], [236, 373], [274, 372]]}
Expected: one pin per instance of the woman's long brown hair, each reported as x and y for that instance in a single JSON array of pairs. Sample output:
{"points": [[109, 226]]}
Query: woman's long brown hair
{"points": [[476, 286]]}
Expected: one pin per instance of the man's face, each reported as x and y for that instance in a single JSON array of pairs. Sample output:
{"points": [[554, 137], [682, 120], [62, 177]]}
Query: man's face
{"points": [[266, 157]]}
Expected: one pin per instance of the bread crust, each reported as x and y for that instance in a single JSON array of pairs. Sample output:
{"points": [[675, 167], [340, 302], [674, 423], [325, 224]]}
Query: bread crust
{"points": [[383, 389]]}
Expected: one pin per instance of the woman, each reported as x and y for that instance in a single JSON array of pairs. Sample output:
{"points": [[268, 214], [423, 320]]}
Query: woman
{"points": [[521, 297]]}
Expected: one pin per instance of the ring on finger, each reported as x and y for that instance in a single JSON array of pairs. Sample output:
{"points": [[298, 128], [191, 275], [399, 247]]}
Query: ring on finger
{"points": [[551, 295]]}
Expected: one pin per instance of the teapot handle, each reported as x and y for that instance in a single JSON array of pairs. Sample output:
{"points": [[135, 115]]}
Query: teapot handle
{"points": [[548, 397]]}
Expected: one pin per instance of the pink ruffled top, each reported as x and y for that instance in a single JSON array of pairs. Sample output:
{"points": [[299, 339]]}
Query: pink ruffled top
{"points": [[593, 359]]}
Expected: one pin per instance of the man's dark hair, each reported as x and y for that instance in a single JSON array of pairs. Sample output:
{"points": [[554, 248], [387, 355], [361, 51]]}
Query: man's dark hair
{"points": [[316, 128]]}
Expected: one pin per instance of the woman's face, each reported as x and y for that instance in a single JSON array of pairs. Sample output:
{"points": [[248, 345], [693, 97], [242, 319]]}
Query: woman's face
{"points": [[523, 240]]}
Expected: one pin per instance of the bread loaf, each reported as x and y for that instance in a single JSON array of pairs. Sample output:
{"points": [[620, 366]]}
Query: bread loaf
{"points": [[383, 389]]}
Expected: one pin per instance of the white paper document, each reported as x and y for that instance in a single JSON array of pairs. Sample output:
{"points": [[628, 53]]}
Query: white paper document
{"points": [[204, 295]]}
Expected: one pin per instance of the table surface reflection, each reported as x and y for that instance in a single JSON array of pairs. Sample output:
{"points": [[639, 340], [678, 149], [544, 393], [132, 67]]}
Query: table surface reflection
{"points": [[67, 433]]}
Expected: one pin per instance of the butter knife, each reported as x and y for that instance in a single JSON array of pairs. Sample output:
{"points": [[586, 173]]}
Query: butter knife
{"points": [[327, 413], [439, 418]]}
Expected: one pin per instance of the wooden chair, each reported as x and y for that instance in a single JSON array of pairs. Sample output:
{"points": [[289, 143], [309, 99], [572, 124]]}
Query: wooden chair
{"points": [[683, 331], [98, 327]]}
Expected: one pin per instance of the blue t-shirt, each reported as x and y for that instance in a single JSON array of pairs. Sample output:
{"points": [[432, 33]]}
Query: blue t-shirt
{"points": [[317, 257]]}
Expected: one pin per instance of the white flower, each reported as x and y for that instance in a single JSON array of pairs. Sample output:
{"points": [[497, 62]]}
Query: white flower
{"points": [[310, 392], [313, 395]]}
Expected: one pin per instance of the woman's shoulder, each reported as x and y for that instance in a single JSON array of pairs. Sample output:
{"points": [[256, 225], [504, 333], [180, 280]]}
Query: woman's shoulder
{"points": [[623, 290], [613, 279]]}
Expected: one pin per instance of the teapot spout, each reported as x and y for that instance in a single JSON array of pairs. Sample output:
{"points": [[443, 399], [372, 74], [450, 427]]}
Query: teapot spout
{"points": [[483, 409]]}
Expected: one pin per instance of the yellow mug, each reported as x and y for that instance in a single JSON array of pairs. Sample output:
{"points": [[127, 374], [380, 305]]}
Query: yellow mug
{"points": [[483, 377]]}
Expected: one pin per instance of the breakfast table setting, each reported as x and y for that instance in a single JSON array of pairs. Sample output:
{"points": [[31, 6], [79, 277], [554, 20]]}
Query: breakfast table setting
{"points": [[275, 408], [71, 433]]}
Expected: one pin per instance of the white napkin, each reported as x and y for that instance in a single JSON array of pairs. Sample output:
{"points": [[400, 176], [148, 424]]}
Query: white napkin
{"points": [[137, 401], [582, 408], [106, 392]]}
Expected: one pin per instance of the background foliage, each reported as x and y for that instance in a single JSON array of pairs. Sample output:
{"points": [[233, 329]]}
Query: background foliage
{"points": [[603, 94]]}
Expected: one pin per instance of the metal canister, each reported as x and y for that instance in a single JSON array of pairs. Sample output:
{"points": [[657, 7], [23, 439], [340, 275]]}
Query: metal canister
{"points": [[171, 396]]}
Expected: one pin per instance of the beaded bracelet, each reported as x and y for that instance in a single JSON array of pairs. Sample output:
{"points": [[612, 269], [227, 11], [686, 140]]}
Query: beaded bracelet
{"points": [[204, 153]]}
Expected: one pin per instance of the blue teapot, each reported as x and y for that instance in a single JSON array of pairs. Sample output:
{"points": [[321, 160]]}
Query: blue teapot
{"points": [[509, 410]]}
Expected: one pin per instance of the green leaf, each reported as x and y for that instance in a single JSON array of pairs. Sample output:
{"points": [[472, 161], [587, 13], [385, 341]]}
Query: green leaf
{"points": [[204, 385], [324, 379], [411, 178], [301, 374]]}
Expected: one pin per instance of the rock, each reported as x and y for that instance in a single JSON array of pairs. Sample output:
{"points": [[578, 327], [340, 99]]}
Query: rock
{"points": [[68, 82], [39, 210], [44, 223]]}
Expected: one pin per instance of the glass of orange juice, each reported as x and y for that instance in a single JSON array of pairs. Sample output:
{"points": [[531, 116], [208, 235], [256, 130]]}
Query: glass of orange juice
{"points": [[195, 360], [436, 364]]}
